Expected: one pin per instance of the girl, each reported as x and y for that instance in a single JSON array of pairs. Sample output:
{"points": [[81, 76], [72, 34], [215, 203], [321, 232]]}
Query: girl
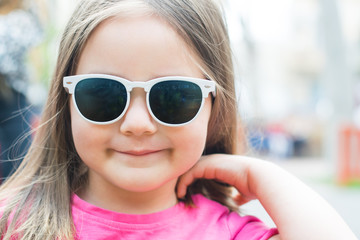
{"points": [[142, 91]]}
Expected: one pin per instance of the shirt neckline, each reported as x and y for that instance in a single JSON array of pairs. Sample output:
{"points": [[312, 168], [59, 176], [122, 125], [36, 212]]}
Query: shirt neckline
{"points": [[151, 218]]}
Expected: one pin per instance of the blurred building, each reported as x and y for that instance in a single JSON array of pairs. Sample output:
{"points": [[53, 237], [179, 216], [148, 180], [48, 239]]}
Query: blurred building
{"points": [[298, 62]]}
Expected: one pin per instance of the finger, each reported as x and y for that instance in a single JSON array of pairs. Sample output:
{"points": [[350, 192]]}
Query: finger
{"points": [[197, 171], [223, 168], [240, 199], [183, 182]]}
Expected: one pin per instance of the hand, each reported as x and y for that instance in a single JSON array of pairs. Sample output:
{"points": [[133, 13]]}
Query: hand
{"points": [[298, 212], [230, 169]]}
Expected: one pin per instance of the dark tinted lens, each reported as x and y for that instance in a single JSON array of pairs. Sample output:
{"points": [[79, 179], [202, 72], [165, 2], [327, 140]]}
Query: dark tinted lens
{"points": [[99, 99], [175, 102]]}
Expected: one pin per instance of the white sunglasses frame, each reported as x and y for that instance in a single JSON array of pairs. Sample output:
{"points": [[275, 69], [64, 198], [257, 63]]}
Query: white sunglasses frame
{"points": [[207, 86]]}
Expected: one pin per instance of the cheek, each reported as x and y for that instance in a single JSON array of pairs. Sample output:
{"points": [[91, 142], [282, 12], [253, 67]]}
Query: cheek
{"points": [[84, 134], [189, 148], [78, 127], [79, 130], [194, 142], [191, 139]]}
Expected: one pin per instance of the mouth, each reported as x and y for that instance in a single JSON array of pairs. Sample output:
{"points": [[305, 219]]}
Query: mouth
{"points": [[140, 152]]}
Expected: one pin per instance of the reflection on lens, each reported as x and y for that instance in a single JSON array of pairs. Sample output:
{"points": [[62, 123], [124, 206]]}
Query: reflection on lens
{"points": [[175, 102], [100, 99]]}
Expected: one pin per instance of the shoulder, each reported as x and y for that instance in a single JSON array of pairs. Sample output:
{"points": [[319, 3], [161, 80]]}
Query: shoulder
{"points": [[239, 227]]}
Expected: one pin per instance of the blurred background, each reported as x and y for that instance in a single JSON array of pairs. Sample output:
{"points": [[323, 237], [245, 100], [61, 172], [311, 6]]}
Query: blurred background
{"points": [[298, 86], [298, 75]]}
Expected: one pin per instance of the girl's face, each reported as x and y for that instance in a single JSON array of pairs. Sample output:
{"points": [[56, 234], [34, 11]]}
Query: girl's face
{"points": [[136, 154]]}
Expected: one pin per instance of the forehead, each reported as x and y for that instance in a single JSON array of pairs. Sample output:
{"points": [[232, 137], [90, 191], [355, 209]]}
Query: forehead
{"points": [[137, 44]]}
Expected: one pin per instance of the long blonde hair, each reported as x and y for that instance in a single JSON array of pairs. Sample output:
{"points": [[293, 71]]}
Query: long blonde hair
{"points": [[36, 201]]}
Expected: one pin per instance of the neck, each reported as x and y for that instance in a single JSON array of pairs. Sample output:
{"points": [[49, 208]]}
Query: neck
{"points": [[123, 201]]}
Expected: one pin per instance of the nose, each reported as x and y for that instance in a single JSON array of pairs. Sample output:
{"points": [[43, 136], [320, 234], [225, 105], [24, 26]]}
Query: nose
{"points": [[137, 120]]}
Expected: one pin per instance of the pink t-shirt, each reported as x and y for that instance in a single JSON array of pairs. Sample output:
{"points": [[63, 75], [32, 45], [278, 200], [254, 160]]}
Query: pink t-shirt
{"points": [[208, 220]]}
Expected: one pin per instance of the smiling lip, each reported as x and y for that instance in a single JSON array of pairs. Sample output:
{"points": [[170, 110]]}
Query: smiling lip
{"points": [[140, 153]]}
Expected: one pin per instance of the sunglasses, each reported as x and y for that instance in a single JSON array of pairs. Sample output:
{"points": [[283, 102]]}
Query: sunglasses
{"points": [[171, 101]]}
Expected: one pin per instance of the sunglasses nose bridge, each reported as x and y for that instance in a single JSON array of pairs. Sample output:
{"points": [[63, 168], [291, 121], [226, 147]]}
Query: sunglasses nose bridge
{"points": [[144, 85]]}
